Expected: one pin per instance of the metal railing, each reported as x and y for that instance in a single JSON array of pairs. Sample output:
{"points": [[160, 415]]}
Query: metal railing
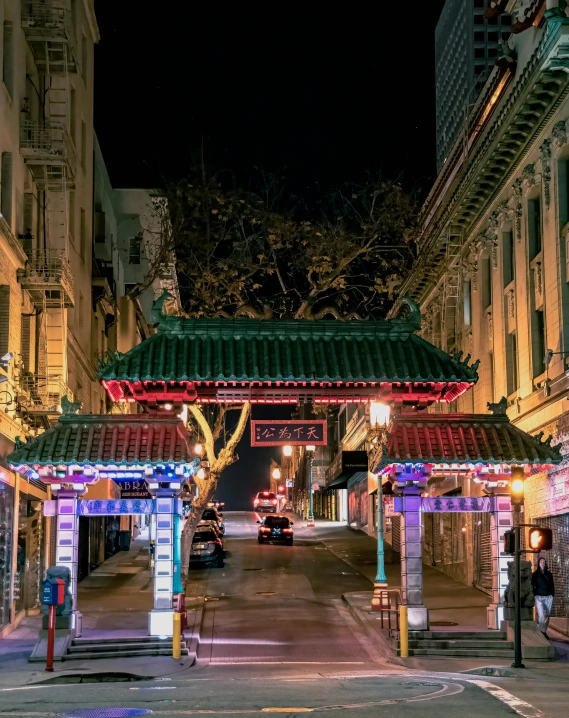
{"points": [[45, 392], [389, 602], [49, 267], [49, 141], [46, 15]]}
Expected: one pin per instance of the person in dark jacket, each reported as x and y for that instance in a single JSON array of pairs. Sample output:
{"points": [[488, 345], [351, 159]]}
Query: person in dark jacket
{"points": [[544, 591]]}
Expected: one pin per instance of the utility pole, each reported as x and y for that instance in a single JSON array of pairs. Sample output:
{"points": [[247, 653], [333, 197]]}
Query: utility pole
{"points": [[310, 520], [517, 499]]}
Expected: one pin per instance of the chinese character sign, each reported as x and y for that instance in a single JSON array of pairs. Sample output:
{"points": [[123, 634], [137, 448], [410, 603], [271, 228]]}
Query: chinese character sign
{"points": [[444, 504], [113, 508], [296, 432]]}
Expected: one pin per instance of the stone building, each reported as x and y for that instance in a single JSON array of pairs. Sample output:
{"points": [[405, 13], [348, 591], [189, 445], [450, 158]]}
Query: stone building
{"points": [[492, 275]]}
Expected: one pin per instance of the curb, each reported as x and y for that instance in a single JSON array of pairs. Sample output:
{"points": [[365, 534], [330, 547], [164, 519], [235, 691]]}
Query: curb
{"points": [[197, 630], [378, 641]]}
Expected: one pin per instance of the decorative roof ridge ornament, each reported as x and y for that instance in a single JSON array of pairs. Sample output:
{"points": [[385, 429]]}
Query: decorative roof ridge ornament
{"points": [[245, 310], [499, 408], [157, 314], [110, 358], [70, 408], [412, 318]]}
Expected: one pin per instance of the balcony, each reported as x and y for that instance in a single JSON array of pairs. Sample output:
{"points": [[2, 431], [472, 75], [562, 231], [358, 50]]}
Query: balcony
{"points": [[48, 28], [40, 397], [47, 150], [47, 277]]}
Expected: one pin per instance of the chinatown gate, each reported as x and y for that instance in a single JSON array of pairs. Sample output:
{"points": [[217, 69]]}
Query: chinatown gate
{"points": [[278, 362]]}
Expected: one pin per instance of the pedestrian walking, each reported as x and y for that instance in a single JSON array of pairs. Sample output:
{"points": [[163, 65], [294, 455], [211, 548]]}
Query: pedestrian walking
{"points": [[544, 591]]}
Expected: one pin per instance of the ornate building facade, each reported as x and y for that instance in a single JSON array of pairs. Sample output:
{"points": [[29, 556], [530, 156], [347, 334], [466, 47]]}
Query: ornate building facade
{"points": [[492, 274]]}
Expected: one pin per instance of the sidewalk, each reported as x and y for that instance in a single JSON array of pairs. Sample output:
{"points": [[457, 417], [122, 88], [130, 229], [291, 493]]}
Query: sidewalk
{"points": [[114, 600]]}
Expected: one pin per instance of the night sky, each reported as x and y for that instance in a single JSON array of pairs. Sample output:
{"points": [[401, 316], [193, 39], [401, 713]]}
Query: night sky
{"points": [[315, 96]]}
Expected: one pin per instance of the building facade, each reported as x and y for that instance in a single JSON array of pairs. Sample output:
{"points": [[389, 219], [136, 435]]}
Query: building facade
{"points": [[492, 276], [467, 39]]}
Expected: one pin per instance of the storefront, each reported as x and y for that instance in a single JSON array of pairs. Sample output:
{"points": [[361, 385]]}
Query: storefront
{"points": [[6, 549]]}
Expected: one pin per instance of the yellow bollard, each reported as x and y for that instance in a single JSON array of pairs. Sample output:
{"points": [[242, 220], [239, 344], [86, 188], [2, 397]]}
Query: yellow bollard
{"points": [[403, 632], [177, 637]]}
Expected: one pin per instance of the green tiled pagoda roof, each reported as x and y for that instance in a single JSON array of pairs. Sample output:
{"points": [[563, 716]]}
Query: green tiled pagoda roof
{"points": [[251, 350], [106, 439], [462, 439]]}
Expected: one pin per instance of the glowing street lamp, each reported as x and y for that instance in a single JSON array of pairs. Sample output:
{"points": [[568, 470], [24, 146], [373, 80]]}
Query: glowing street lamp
{"points": [[379, 420], [198, 449], [287, 450], [276, 473], [201, 473]]}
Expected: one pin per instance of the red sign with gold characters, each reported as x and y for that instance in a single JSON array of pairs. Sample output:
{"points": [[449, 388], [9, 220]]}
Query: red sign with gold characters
{"points": [[296, 432]]}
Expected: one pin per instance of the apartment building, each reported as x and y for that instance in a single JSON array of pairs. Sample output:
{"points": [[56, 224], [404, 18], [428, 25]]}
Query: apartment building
{"points": [[492, 277]]}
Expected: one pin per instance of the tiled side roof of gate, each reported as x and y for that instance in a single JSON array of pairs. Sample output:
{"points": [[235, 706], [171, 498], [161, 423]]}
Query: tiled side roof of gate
{"points": [[106, 439], [463, 438], [198, 350]]}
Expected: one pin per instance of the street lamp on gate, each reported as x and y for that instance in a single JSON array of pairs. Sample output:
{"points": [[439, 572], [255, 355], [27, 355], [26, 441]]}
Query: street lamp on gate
{"points": [[310, 518], [379, 421]]}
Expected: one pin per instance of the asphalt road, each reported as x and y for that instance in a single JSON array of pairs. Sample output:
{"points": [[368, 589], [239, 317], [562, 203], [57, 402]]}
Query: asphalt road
{"points": [[277, 639]]}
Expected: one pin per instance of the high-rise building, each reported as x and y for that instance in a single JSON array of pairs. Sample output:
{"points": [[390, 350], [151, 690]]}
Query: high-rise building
{"points": [[466, 47]]}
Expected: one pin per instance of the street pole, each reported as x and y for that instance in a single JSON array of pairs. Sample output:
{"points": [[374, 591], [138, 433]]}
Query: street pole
{"points": [[380, 582], [310, 520], [50, 638], [518, 595]]}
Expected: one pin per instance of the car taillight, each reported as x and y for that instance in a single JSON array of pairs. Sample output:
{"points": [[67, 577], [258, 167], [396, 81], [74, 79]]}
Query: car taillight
{"points": [[264, 529], [287, 531], [255, 502], [274, 502]]}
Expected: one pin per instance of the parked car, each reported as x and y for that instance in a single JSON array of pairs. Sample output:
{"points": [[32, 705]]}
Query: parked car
{"points": [[276, 528], [211, 525], [212, 514], [215, 504], [207, 547], [265, 501]]}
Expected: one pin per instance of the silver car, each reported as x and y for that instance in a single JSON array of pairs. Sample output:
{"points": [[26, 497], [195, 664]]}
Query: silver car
{"points": [[265, 501]]}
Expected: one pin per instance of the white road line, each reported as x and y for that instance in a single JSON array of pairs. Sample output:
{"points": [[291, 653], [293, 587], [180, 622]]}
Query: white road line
{"points": [[516, 704]]}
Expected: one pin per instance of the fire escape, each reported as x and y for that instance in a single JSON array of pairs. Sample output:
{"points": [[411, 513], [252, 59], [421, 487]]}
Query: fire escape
{"points": [[49, 155]]}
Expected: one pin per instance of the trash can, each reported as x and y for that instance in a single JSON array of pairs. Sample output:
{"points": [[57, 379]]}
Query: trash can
{"points": [[124, 540]]}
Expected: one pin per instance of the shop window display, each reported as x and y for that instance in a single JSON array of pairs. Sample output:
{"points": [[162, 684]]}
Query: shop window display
{"points": [[6, 518]]}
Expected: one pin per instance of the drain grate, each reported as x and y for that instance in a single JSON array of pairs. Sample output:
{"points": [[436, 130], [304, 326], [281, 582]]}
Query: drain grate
{"points": [[442, 623], [253, 569], [104, 713]]}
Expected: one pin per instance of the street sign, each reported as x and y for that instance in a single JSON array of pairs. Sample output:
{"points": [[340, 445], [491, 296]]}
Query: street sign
{"points": [[134, 489], [296, 432], [290, 483]]}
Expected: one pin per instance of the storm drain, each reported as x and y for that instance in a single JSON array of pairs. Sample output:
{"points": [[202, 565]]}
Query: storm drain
{"points": [[266, 593], [253, 569], [442, 623], [104, 712]]}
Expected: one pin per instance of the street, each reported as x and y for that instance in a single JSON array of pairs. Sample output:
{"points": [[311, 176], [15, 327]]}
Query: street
{"points": [[277, 638]]}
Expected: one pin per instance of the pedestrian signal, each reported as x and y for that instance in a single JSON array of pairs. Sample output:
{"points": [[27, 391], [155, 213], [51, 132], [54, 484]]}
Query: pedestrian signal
{"points": [[540, 539], [509, 542]]}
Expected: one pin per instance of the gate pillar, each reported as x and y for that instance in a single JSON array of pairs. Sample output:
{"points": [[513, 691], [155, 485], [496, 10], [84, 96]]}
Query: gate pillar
{"points": [[500, 522], [67, 544], [161, 618], [412, 559]]}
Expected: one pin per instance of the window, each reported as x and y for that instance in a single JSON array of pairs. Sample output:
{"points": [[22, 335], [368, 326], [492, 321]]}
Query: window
{"points": [[71, 227], [81, 310], [511, 363], [83, 145], [479, 36], [479, 52], [492, 52], [505, 19], [4, 319], [129, 287], [508, 254], [73, 115], [83, 235], [467, 297], [6, 187], [492, 37], [134, 250], [491, 375], [478, 20], [563, 190], [538, 342], [486, 267], [8, 57], [84, 58], [534, 227]]}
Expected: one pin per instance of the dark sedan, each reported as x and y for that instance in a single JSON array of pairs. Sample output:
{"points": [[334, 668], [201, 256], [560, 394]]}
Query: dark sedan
{"points": [[207, 548], [276, 528]]}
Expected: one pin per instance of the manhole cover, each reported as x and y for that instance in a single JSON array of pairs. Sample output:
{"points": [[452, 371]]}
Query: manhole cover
{"points": [[104, 712], [442, 623], [267, 593], [253, 569]]}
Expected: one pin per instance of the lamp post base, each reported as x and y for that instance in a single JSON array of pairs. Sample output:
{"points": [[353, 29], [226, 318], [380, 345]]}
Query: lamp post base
{"points": [[380, 600]]}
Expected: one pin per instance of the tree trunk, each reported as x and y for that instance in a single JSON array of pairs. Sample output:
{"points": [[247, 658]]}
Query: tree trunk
{"points": [[190, 526]]}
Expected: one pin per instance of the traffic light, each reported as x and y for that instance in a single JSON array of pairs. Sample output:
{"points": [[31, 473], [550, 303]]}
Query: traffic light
{"points": [[509, 541], [517, 486], [280, 490], [540, 539]]}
